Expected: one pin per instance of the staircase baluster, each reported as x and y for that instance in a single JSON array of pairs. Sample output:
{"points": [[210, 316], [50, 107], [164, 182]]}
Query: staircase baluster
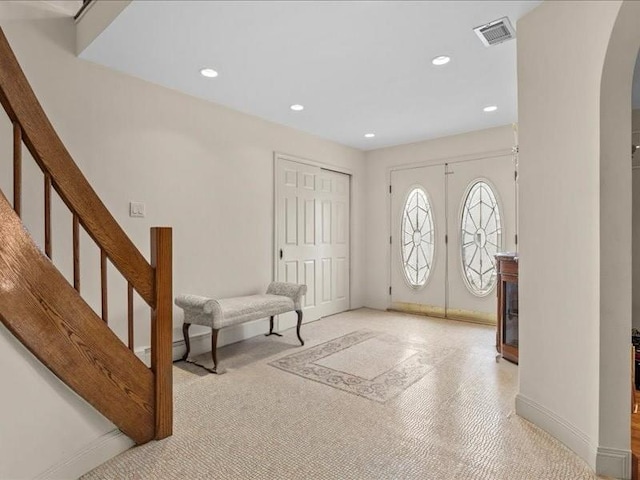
{"points": [[17, 168], [47, 214], [103, 283], [76, 253], [130, 314]]}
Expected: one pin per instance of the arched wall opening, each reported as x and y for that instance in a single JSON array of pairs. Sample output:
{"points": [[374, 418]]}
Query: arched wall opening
{"points": [[616, 297], [575, 69]]}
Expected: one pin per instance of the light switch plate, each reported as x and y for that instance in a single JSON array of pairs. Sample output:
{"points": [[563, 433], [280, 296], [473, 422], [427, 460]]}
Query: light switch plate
{"points": [[136, 209]]}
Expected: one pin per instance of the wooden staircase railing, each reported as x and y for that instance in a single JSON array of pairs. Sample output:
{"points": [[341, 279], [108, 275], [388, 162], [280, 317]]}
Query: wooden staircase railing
{"points": [[48, 315]]}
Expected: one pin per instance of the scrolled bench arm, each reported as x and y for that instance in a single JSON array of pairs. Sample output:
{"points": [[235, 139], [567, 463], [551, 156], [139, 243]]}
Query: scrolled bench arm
{"points": [[291, 290], [196, 302]]}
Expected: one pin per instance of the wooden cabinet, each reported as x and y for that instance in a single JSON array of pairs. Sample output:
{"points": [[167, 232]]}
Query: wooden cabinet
{"points": [[507, 331]]}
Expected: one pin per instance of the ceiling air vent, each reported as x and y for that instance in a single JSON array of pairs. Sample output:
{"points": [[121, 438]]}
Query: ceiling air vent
{"points": [[496, 32]]}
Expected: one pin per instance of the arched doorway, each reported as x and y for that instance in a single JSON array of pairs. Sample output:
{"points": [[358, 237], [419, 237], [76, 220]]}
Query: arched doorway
{"points": [[615, 233]]}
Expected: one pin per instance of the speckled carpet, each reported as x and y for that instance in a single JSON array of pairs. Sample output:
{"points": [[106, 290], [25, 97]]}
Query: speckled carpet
{"points": [[372, 395]]}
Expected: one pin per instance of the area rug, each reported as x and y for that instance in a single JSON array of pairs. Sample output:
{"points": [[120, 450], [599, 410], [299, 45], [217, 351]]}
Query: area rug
{"points": [[374, 365]]}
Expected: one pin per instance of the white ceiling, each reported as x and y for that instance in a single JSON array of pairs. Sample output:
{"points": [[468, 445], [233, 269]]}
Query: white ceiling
{"points": [[357, 67]]}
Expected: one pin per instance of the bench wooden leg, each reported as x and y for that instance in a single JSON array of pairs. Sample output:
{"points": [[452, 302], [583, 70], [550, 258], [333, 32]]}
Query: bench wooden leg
{"points": [[214, 349], [271, 332], [299, 312], [185, 333]]}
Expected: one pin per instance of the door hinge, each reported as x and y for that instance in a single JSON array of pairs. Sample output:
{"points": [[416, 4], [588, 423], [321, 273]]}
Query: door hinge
{"points": [[389, 189], [516, 238], [446, 238], [390, 241], [389, 290], [515, 175]]}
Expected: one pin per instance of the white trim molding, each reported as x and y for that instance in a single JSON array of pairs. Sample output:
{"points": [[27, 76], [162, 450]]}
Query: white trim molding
{"points": [[607, 462], [92, 455], [613, 462], [557, 427]]}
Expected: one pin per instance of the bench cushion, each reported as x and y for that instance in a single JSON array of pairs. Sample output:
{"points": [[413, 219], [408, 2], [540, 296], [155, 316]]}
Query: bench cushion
{"points": [[243, 309]]}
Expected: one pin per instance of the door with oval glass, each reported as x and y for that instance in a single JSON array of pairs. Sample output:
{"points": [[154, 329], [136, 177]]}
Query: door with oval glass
{"points": [[418, 250], [447, 223], [482, 221]]}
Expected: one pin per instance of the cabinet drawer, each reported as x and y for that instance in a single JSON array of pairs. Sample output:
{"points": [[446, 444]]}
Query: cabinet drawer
{"points": [[508, 267]]}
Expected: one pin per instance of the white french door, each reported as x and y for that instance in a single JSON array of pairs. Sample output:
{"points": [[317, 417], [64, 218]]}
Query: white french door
{"points": [[482, 220], [312, 236], [418, 251], [447, 222]]}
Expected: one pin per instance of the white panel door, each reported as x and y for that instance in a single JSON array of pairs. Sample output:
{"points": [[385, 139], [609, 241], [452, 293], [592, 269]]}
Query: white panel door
{"points": [[312, 237], [333, 242], [418, 249], [472, 276]]}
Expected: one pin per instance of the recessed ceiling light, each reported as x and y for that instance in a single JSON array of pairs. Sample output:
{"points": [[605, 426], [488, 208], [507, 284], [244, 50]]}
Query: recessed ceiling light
{"points": [[369, 135], [296, 107], [490, 108], [441, 60], [208, 72]]}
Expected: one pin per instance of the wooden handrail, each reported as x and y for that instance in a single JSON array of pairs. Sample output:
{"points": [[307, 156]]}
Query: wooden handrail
{"points": [[23, 108], [50, 318]]}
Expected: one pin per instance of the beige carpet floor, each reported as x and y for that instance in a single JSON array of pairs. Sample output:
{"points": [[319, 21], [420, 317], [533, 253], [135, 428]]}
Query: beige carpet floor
{"points": [[372, 395]]}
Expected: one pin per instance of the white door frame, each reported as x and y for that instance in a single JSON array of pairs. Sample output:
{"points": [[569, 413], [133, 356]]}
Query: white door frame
{"points": [[325, 166]]}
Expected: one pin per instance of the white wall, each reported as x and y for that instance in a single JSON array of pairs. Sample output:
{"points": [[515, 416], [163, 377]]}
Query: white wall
{"points": [[379, 162], [559, 217], [575, 225], [203, 169]]}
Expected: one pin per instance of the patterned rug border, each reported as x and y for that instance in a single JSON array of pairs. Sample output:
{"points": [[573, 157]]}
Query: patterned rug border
{"points": [[381, 388]]}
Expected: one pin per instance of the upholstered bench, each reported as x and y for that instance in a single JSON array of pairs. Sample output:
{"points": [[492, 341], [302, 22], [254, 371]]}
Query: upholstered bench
{"points": [[280, 298]]}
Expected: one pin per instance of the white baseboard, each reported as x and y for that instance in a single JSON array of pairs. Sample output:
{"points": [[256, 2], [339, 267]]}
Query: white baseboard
{"points": [[608, 462], [92, 455], [558, 427], [613, 462], [201, 342]]}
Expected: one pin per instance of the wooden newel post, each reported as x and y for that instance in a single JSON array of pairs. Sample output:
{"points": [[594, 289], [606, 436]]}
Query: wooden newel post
{"points": [[162, 330]]}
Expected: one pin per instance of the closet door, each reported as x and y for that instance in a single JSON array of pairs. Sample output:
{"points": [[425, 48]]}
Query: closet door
{"points": [[332, 201], [312, 237], [418, 249], [482, 221], [297, 234]]}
